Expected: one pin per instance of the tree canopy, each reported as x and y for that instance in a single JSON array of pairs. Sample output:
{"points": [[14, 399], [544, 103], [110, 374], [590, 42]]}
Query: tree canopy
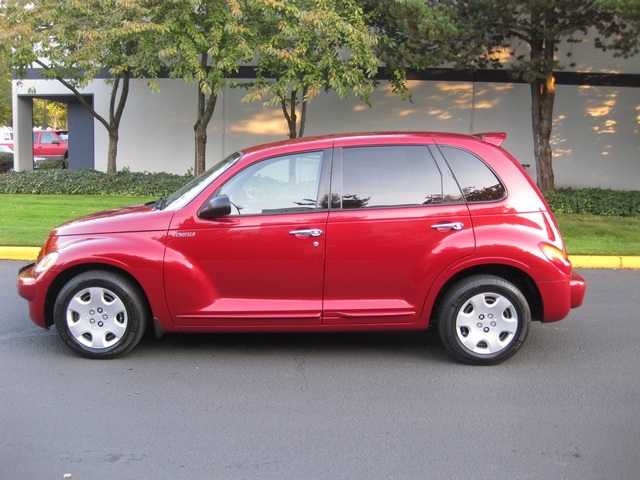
{"points": [[5, 86], [205, 42], [74, 41], [309, 46], [302, 47]]}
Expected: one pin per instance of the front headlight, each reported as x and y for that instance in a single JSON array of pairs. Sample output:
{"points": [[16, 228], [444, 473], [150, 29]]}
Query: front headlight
{"points": [[46, 263]]}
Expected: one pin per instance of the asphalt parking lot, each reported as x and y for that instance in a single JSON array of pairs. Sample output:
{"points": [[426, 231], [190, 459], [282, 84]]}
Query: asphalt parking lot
{"points": [[332, 406]]}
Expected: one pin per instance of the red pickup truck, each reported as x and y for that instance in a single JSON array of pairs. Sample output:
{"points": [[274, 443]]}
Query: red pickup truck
{"points": [[48, 144]]}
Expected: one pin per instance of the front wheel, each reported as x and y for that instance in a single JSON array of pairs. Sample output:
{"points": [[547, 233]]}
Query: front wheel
{"points": [[483, 320], [100, 314]]}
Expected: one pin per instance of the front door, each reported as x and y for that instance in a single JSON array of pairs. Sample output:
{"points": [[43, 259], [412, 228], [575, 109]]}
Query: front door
{"points": [[263, 265]]}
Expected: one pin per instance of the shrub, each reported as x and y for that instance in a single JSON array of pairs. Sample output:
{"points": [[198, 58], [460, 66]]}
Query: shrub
{"points": [[6, 162], [595, 201], [590, 201], [50, 163], [91, 182]]}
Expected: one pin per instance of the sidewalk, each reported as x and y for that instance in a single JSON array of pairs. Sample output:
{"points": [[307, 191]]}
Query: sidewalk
{"points": [[578, 261]]}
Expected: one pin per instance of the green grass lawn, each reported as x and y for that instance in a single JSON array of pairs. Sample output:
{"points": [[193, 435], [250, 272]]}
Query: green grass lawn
{"points": [[27, 219], [595, 235]]}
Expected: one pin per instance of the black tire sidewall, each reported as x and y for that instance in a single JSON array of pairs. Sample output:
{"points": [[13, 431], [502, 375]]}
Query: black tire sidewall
{"points": [[458, 296], [126, 291]]}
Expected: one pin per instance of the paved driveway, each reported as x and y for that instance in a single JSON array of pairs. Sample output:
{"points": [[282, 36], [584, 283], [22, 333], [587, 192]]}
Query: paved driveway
{"points": [[335, 406]]}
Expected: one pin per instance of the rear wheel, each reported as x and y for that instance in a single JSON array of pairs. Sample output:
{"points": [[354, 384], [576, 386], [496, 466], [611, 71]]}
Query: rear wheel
{"points": [[100, 314], [484, 320]]}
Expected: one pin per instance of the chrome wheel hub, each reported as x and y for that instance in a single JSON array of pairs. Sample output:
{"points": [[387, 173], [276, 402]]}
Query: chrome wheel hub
{"points": [[96, 317], [486, 323]]}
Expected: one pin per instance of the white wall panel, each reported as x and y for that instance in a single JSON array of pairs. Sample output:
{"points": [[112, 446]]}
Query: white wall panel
{"points": [[596, 138]]}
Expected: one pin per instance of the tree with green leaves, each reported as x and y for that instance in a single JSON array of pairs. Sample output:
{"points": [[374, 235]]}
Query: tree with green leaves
{"points": [[541, 25], [310, 46], [413, 34], [76, 40], [5, 76], [532, 30], [49, 114], [205, 42], [5, 87]]}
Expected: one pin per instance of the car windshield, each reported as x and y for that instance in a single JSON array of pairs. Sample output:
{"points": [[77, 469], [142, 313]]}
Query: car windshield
{"points": [[192, 189]]}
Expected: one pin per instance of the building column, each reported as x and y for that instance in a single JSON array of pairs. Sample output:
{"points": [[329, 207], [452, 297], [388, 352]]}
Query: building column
{"points": [[22, 133]]}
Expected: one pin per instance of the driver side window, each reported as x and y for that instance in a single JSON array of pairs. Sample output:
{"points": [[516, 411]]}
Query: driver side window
{"points": [[278, 185]]}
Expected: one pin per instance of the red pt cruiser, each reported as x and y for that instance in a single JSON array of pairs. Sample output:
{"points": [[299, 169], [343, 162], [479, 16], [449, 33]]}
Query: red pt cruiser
{"points": [[383, 231]]}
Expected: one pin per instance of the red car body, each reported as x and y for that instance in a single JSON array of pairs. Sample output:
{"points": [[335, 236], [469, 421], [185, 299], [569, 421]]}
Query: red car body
{"points": [[326, 268]]}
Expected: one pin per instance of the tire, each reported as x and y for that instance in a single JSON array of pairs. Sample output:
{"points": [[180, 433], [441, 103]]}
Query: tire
{"points": [[100, 314], [483, 320]]}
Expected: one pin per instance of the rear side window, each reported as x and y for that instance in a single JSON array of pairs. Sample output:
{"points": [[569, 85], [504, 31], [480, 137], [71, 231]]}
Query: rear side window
{"points": [[389, 176], [477, 181]]}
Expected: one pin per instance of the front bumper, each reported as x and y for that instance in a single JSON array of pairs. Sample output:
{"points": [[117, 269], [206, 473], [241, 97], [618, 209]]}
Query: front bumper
{"points": [[31, 288]]}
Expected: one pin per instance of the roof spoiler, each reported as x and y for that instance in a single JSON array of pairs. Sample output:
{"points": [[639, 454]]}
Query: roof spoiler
{"points": [[494, 138]]}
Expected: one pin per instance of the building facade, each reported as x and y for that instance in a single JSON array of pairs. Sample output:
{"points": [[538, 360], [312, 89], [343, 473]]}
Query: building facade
{"points": [[596, 134]]}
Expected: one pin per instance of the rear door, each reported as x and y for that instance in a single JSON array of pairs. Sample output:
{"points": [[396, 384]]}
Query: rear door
{"points": [[398, 221]]}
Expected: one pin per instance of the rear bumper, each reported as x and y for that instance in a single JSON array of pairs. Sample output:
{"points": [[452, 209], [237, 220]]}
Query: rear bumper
{"points": [[558, 298], [578, 287]]}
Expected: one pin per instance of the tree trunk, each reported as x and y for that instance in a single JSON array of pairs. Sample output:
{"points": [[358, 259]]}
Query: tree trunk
{"points": [[542, 98], [303, 112], [543, 93], [116, 108], [200, 131], [291, 117], [206, 107], [113, 150]]}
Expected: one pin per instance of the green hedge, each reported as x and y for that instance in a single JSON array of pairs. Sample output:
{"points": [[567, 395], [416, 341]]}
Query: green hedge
{"points": [[91, 182], [595, 201], [6, 162], [50, 163], [590, 201]]}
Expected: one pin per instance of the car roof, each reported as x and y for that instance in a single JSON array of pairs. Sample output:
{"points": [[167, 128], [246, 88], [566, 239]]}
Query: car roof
{"points": [[378, 138]]}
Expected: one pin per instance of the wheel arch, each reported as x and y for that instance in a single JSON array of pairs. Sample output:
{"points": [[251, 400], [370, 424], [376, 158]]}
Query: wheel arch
{"points": [[512, 274], [61, 280]]}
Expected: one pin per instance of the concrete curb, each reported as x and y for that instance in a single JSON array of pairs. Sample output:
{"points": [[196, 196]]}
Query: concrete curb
{"points": [[595, 261], [19, 253], [578, 261]]}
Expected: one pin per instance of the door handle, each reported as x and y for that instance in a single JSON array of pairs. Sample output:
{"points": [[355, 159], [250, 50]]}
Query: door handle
{"points": [[309, 232], [448, 226]]}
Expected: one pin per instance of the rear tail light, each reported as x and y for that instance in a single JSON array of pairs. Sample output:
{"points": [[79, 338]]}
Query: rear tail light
{"points": [[557, 257]]}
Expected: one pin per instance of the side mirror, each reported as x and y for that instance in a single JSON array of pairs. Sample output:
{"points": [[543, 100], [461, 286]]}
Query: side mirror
{"points": [[215, 207]]}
